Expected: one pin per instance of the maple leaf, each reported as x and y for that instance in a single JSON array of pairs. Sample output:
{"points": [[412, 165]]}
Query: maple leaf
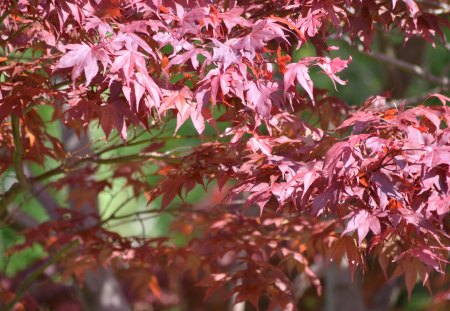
{"points": [[233, 17], [145, 82], [131, 42], [257, 38], [386, 185], [113, 117], [412, 6], [309, 192], [298, 71], [126, 61], [83, 57], [346, 245], [191, 54], [256, 143], [362, 221], [258, 97], [108, 8], [180, 100], [224, 54], [438, 155], [311, 23], [290, 25], [333, 66], [321, 201], [103, 27], [254, 42]]}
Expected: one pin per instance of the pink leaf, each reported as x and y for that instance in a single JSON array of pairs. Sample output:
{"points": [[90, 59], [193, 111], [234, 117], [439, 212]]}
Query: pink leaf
{"points": [[83, 57], [362, 221], [126, 61], [259, 99], [300, 72], [333, 66], [224, 54], [152, 88], [233, 17], [256, 144], [412, 6]]}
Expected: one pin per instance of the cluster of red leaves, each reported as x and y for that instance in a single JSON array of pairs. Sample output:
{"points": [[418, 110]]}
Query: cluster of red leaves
{"points": [[378, 185]]}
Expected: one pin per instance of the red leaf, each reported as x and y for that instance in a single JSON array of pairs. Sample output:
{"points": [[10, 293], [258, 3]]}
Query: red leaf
{"points": [[411, 276], [290, 25], [108, 8]]}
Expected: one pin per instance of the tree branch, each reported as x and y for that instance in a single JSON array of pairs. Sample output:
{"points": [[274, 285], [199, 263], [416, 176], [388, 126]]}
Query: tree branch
{"points": [[408, 67], [32, 277], [18, 153], [8, 197], [443, 82], [22, 181], [19, 187]]}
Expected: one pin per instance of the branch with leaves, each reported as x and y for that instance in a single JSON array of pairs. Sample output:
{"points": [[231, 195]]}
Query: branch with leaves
{"points": [[211, 115]]}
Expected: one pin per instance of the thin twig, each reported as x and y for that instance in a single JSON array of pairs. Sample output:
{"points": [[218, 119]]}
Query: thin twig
{"points": [[17, 188]]}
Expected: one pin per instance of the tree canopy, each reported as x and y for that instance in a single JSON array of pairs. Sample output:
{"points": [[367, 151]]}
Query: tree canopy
{"points": [[192, 152]]}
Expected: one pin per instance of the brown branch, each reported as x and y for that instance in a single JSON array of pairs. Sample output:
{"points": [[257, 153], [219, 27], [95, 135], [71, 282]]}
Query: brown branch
{"points": [[18, 153], [443, 82], [135, 157], [409, 68], [32, 277], [22, 181], [8, 197]]}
